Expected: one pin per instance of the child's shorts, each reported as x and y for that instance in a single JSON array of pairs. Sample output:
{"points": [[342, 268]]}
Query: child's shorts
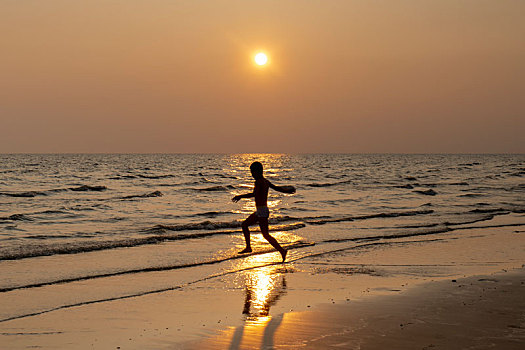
{"points": [[262, 212]]}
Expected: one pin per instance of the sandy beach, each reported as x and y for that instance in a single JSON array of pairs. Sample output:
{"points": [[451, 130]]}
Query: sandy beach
{"points": [[441, 292]]}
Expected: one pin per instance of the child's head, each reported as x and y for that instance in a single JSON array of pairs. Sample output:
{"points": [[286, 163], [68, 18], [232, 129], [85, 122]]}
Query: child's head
{"points": [[257, 170]]}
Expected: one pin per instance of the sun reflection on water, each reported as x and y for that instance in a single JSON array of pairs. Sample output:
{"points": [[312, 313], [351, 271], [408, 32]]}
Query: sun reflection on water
{"points": [[276, 168], [263, 287]]}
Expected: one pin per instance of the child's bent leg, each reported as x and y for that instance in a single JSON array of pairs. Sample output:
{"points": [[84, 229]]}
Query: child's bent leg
{"points": [[263, 223], [250, 220]]}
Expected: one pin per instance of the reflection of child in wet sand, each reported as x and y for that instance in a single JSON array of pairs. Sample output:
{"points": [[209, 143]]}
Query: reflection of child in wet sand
{"points": [[260, 192]]}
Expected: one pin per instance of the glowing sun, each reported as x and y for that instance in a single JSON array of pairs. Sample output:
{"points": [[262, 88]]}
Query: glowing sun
{"points": [[261, 59]]}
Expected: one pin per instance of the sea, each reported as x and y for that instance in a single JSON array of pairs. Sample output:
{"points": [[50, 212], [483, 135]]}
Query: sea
{"points": [[66, 218]]}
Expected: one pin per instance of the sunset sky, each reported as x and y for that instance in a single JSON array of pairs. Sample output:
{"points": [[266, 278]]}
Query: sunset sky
{"points": [[408, 76]]}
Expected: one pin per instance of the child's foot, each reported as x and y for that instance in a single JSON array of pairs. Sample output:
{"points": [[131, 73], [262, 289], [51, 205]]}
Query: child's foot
{"points": [[283, 254], [245, 250]]}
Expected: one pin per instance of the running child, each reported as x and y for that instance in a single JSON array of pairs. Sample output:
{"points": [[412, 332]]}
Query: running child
{"points": [[260, 193]]}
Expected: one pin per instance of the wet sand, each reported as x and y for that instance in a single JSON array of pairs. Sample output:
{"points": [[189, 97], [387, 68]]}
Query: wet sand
{"points": [[367, 296], [478, 312]]}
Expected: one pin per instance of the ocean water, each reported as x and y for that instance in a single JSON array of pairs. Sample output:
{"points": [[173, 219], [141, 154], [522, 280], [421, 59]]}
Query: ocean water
{"points": [[81, 217]]}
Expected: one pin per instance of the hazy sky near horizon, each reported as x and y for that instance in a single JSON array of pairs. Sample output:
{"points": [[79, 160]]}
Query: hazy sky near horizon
{"points": [[408, 76]]}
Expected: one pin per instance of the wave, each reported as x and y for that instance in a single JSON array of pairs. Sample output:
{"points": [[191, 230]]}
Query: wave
{"points": [[159, 233], [490, 210], [429, 192], [519, 187], [462, 221], [337, 201], [145, 195], [52, 211], [11, 228], [215, 188], [90, 207], [215, 225], [371, 216], [122, 177], [26, 194], [329, 184], [207, 214], [45, 237], [144, 176], [471, 195], [85, 188], [409, 186], [159, 236], [27, 216], [432, 231], [30, 194], [16, 217], [427, 184], [487, 189], [226, 176], [212, 214]]}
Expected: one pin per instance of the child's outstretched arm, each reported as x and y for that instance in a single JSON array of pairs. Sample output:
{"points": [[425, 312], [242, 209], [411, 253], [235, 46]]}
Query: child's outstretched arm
{"points": [[241, 196], [283, 189]]}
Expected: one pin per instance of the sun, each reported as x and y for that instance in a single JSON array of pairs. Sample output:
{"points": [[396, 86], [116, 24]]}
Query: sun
{"points": [[261, 59]]}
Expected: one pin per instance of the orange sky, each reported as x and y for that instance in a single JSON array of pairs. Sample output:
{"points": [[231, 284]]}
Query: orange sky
{"points": [[345, 76]]}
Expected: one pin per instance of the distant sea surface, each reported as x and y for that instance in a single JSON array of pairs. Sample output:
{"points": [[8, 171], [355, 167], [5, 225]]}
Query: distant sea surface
{"points": [[56, 204], [78, 205]]}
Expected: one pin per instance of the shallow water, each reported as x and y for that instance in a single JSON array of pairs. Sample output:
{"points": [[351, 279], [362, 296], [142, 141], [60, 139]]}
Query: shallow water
{"points": [[71, 218]]}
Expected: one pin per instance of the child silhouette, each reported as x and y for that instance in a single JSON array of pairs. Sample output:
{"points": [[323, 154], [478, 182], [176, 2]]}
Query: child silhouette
{"points": [[260, 192]]}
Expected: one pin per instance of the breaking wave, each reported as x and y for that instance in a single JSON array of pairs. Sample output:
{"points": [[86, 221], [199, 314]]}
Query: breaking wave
{"points": [[160, 233], [329, 184], [215, 188], [145, 195], [29, 194], [314, 221]]}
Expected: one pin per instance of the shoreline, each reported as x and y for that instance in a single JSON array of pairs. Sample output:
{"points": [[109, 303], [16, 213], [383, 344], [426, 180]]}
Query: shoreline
{"points": [[253, 300]]}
